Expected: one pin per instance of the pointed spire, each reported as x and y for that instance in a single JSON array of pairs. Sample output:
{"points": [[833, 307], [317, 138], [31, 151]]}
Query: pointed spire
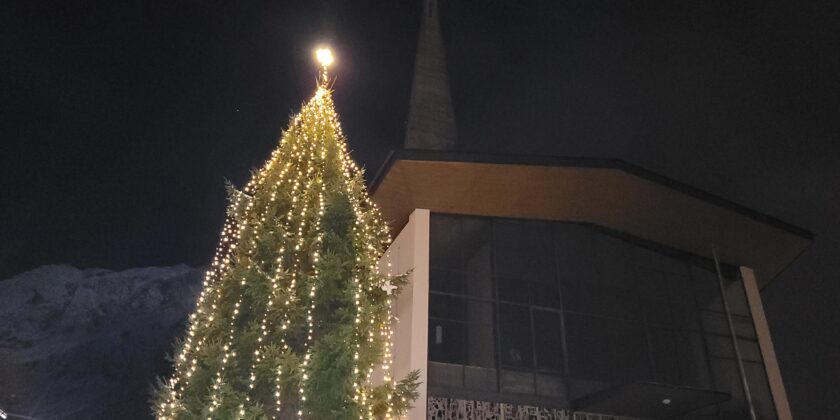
{"points": [[431, 121]]}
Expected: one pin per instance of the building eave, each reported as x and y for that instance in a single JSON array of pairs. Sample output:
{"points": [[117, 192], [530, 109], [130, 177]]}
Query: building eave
{"points": [[607, 192]]}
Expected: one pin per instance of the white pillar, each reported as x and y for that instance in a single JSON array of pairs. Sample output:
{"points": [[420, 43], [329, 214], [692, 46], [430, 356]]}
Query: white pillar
{"points": [[410, 252], [765, 343]]}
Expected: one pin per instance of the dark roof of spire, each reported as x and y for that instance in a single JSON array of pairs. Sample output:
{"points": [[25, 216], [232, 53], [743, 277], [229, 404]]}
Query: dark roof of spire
{"points": [[431, 121]]}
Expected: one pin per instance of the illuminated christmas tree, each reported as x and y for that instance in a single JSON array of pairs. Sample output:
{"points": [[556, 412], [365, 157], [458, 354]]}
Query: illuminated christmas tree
{"points": [[294, 318]]}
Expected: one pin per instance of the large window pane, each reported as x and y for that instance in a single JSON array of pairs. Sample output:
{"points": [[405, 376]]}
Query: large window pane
{"points": [[479, 312], [736, 298], [447, 307], [663, 349], [685, 316], [515, 332], [575, 261], [720, 346], [716, 323], [658, 313], [674, 266], [539, 293], [653, 289], [631, 311], [476, 249], [447, 341], [607, 289], [461, 330], [605, 350], [613, 257], [513, 289], [459, 255], [680, 288], [447, 280], [523, 250], [728, 379], [706, 289], [481, 345], [707, 292], [444, 242], [693, 359], [594, 297], [749, 350], [548, 340], [760, 390], [544, 293]]}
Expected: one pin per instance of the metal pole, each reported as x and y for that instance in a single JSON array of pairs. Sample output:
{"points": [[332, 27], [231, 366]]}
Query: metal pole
{"points": [[747, 394]]}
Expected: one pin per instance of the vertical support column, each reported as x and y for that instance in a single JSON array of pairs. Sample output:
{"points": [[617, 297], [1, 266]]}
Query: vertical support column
{"points": [[765, 343], [410, 252]]}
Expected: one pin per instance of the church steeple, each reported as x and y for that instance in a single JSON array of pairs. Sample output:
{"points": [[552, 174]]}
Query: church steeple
{"points": [[431, 121]]}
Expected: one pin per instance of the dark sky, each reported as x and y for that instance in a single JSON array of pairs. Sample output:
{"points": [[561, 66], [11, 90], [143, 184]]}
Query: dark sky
{"points": [[119, 122]]}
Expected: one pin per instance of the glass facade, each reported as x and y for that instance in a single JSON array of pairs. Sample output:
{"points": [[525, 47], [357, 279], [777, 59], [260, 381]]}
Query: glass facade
{"points": [[550, 312]]}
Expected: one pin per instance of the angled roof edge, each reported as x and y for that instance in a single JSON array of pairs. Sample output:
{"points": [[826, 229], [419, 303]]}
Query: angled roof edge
{"points": [[582, 162]]}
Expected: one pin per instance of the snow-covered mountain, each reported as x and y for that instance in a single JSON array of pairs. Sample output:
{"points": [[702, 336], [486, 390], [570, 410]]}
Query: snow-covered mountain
{"points": [[88, 344]]}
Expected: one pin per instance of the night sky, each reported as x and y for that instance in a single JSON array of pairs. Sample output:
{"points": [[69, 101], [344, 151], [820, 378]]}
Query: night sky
{"points": [[119, 122]]}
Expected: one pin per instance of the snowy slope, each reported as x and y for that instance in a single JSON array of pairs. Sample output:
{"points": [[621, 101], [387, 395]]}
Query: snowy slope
{"points": [[88, 344]]}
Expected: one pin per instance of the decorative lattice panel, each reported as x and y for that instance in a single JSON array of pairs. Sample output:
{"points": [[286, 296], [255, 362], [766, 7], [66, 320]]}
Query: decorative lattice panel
{"points": [[440, 408]]}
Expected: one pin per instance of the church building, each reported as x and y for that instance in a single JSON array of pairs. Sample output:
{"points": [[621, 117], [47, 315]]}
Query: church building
{"points": [[571, 288]]}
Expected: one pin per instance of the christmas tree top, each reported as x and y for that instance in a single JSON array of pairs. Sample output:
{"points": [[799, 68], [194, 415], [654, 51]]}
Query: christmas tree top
{"points": [[294, 316]]}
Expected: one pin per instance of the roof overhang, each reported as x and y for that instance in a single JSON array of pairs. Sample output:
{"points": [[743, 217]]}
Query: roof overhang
{"points": [[604, 192]]}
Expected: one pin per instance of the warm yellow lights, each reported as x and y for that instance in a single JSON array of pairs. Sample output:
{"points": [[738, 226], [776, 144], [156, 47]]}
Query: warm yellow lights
{"points": [[324, 56], [288, 197]]}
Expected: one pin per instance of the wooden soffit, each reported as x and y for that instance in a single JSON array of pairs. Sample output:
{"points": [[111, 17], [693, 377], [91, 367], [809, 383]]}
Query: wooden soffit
{"points": [[608, 193]]}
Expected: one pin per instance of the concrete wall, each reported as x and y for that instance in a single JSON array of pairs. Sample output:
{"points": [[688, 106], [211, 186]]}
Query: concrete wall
{"points": [[410, 252]]}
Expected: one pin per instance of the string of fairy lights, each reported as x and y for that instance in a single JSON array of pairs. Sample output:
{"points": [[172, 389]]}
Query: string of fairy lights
{"points": [[298, 163]]}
